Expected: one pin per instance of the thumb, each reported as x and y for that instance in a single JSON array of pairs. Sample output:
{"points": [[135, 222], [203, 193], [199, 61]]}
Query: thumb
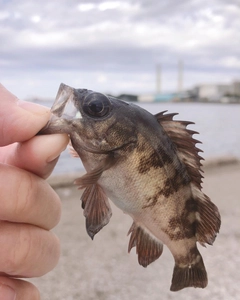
{"points": [[19, 120]]}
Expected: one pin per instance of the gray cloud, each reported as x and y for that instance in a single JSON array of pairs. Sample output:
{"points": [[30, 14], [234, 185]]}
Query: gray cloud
{"points": [[105, 42]]}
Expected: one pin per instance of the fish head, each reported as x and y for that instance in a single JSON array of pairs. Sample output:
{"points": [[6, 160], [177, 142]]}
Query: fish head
{"points": [[94, 121]]}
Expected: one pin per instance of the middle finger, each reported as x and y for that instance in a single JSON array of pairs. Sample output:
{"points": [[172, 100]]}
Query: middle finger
{"points": [[27, 198], [31, 251]]}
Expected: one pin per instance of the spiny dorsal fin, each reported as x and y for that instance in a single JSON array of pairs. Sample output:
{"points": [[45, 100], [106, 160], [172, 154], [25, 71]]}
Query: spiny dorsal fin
{"points": [[97, 209], [147, 248], [185, 144], [208, 219]]}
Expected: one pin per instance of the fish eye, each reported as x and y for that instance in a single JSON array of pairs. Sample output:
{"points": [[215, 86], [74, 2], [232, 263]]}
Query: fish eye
{"points": [[96, 105]]}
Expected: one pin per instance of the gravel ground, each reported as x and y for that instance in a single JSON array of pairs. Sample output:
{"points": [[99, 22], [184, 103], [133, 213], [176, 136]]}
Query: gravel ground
{"points": [[103, 270]]}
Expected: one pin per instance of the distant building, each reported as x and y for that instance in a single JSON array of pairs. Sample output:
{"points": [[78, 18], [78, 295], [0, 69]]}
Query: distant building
{"points": [[233, 96], [125, 97], [165, 97], [161, 97], [128, 97], [225, 93], [212, 92], [236, 88], [146, 98]]}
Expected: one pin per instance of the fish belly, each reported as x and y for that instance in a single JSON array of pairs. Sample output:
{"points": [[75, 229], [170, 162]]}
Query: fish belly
{"points": [[166, 220]]}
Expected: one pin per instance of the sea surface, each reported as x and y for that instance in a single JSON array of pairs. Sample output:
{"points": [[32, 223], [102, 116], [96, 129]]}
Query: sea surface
{"points": [[218, 126]]}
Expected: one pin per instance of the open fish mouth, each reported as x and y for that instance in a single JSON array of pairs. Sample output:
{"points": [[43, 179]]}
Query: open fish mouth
{"points": [[64, 109], [63, 105]]}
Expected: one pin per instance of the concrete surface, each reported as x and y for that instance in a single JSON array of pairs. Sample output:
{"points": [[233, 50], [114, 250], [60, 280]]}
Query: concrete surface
{"points": [[103, 270]]}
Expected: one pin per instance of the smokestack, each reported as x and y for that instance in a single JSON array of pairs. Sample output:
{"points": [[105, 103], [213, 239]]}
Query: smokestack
{"points": [[158, 79], [180, 76]]}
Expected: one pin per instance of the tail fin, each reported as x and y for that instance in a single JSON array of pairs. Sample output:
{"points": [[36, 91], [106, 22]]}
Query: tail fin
{"points": [[193, 275]]}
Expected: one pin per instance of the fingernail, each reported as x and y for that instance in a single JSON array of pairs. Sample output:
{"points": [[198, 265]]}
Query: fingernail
{"points": [[33, 107], [7, 293]]}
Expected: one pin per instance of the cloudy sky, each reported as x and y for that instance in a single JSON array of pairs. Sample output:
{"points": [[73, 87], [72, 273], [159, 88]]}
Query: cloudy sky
{"points": [[113, 46]]}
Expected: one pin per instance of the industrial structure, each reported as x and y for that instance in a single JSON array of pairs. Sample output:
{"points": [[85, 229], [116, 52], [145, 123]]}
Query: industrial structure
{"points": [[225, 93]]}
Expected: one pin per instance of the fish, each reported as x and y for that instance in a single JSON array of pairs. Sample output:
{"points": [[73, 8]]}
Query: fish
{"points": [[150, 168]]}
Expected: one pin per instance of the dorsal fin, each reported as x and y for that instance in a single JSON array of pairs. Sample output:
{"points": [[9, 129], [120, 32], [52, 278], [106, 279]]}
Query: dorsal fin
{"points": [[208, 219], [185, 144]]}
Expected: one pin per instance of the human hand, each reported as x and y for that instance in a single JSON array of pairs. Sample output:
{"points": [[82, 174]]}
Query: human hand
{"points": [[29, 206]]}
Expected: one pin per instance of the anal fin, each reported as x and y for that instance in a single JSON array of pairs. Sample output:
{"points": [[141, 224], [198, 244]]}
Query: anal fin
{"points": [[147, 248], [97, 209]]}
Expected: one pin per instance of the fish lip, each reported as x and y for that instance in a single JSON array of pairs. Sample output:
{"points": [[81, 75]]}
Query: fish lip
{"points": [[64, 104], [64, 110]]}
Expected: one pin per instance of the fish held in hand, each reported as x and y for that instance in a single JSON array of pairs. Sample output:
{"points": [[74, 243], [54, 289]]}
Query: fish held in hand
{"points": [[149, 166]]}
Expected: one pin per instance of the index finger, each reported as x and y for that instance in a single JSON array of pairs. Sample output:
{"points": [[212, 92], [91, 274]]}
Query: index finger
{"points": [[26, 198], [37, 155], [19, 120]]}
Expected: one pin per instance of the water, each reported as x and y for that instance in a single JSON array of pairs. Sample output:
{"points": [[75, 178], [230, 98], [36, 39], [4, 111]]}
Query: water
{"points": [[218, 125]]}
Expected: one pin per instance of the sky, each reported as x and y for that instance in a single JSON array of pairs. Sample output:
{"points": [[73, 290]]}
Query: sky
{"points": [[114, 46]]}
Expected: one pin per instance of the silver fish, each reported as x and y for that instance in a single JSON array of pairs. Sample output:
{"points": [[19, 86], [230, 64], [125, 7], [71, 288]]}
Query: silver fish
{"points": [[149, 166]]}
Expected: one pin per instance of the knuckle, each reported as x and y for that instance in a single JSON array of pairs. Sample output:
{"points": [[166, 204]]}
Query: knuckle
{"points": [[36, 251], [21, 254], [36, 203], [25, 191]]}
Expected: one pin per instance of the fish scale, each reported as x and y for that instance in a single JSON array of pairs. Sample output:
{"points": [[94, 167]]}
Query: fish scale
{"points": [[150, 167]]}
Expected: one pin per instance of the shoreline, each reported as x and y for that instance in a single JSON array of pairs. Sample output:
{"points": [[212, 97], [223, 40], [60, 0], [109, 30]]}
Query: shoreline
{"points": [[67, 180]]}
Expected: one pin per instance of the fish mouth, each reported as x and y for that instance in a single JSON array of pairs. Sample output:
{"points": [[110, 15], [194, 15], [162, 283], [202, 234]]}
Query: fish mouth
{"points": [[64, 110], [55, 125], [65, 103]]}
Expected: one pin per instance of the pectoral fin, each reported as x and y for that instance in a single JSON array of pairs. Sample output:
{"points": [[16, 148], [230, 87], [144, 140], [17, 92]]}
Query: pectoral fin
{"points": [[93, 176], [72, 151], [147, 248], [97, 209]]}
